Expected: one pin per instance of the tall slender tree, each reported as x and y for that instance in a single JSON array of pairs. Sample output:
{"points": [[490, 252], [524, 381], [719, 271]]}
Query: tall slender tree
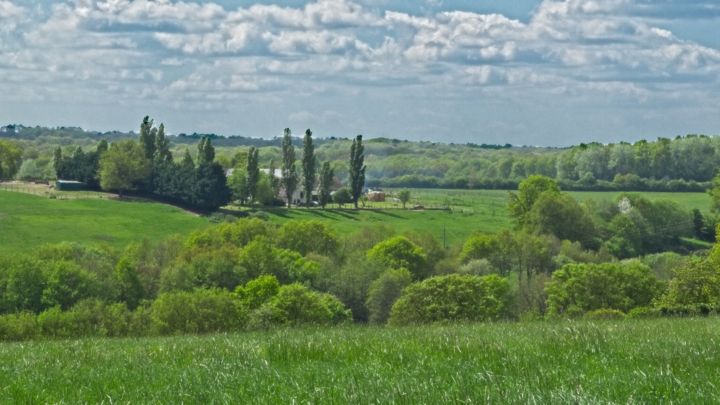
{"points": [[162, 145], [357, 169], [147, 137], [206, 152], [253, 173], [289, 173], [309, 164], [326, 178], [274, 181]]}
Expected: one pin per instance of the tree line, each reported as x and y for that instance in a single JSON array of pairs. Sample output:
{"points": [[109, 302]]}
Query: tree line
{"points": [[622, 259], [147, 165], [681, 164]]}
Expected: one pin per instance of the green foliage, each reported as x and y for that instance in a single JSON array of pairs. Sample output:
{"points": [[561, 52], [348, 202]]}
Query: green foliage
{"points": [[289, 174], [296, 304], [123, 167], [258, 291], [238, 184], [210, 190], [238, 234], [206, 151], [404, 196], [10, 159], [579, 288], [357, 169], [399, 252], [198, 311], [308, 236], [342, 197], [560, 214], [452, 298], [529, 192], [66, 283], [697, 283], [326, 180], [309, 167], [252, 174], [384, 292]]}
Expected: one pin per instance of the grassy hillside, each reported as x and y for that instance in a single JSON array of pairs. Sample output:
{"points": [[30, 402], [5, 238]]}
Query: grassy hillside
{"points": [[632, 361], [472, 211], [27, 221]]}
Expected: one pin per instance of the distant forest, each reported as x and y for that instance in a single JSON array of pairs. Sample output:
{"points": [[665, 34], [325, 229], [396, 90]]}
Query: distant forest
{"points": [[685, 163]]}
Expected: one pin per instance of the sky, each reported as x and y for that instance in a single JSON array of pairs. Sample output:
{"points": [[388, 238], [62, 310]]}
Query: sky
{"points": [[525, 72]]}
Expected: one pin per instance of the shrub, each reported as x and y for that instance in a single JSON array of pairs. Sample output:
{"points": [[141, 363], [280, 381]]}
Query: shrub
{"points": [[384, 292], [67, 283], [579, 288], [258, 291], [199, 311], [87, 318], [20, 326], [400, 253], [296, 304], [452, 298], [697, 283], [308, 236]]}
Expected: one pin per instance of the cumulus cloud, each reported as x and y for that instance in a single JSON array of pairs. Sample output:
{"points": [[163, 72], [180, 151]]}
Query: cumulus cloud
{"points": [[184, 50]]}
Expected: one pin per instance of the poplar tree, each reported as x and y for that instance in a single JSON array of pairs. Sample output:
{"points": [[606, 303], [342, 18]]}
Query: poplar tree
{"points": [[357, 169], [308, 166], [147, 137], [162, 145], [206, 152], [253, 172], [289, 174], [326, 178]]}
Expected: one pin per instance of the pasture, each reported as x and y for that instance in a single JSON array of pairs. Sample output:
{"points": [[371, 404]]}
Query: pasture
{"points": [[470, 211], [625, 361], [27, 221]]}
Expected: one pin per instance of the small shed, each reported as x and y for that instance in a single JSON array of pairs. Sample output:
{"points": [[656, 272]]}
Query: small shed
{"points": [[70, 185]]}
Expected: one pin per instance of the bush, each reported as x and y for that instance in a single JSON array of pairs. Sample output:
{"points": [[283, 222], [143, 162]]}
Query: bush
{"points": [[452, 298], [20, 326], [199, 311], [579, 288], [400, 253], [384, 292], [308, 236], [697, 283], [86, 318], [605, 314], [296, 304], [258, 291]]}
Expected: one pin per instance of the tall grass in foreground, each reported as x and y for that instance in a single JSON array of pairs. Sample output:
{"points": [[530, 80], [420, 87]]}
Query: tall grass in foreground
{"points": [[663, 360]]}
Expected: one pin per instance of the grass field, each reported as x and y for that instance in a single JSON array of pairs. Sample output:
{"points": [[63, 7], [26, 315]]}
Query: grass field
{"points": [[631, 361], [471, 211], [27, 221]]}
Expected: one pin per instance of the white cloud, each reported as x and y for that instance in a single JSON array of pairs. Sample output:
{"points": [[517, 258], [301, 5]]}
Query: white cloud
{"points": [[194, 51]]}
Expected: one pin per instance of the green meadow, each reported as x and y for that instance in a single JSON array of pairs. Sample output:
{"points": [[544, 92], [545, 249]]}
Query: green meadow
{"points": [[27, 221], [470, 211], [638, 361]]}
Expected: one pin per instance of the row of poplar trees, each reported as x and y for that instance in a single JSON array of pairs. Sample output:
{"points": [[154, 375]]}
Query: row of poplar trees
{"points": [[309, 178]]}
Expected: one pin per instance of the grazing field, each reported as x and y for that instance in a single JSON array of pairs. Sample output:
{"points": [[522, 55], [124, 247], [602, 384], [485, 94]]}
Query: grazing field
{"points": [[470, 211], [27, 221], [631, 361]]}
